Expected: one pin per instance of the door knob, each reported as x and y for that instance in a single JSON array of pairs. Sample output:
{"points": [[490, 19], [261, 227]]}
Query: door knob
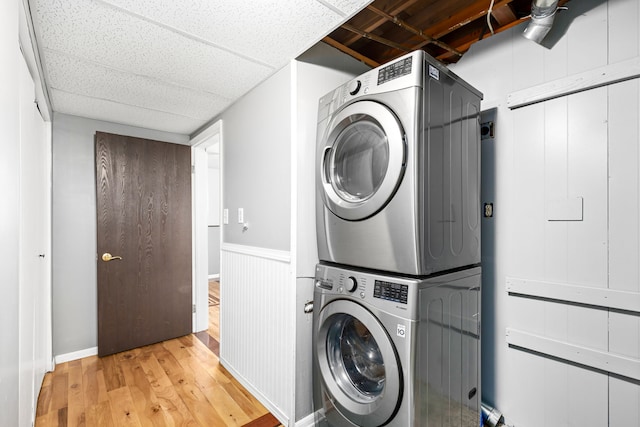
{"points": [[108, 257]]}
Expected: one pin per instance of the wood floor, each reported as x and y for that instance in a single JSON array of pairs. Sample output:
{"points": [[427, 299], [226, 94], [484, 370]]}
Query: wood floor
{"points": [[179, 382]]}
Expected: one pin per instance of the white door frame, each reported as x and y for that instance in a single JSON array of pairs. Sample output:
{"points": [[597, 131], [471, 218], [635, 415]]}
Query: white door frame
{"points": [[199, 202]]}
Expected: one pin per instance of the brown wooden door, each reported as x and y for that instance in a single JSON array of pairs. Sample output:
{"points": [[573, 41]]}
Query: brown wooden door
{"points": [[144, 216]]}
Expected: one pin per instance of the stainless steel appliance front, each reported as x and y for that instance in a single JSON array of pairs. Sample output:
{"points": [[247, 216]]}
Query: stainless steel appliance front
{"points": [[398, 170], [396, 351]]}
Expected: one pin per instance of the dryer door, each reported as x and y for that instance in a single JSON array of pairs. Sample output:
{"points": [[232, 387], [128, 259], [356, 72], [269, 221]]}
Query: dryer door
{"points": [[358, 364], [362, 160]]}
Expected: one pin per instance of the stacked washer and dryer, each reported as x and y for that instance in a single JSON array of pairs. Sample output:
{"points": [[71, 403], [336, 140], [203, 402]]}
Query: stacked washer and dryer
{"points": [[397, 290]]}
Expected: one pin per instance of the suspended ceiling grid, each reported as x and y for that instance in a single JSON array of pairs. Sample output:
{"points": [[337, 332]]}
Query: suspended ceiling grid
{"points": [[174, 65], [170, 65]]}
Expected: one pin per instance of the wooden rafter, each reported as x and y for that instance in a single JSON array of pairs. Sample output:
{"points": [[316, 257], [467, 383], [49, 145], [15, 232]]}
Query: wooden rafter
{"points": [[346, 49], [465, 16], [402, 24], [375, 38], [444, 29], [464, 45], [504, 15], [378, 22]]}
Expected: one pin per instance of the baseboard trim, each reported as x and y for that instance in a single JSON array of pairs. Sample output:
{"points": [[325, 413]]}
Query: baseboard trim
{"points": [[75, 355], [214, 276], [284, 419], [308, 421]]}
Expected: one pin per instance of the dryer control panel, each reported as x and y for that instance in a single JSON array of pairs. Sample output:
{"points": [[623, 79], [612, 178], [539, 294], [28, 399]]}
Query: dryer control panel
{"points": [[395, 70]]}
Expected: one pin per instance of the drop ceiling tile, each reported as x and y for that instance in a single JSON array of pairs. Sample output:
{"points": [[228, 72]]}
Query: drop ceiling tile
{"points": [[171, 65], [105, 35], [70, 74], [348, 7], [100, 109], [253, 29]]}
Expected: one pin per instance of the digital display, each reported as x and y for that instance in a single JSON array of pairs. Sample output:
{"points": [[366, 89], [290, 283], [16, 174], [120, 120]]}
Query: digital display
{"points": [[390, 291], [395, 70]]}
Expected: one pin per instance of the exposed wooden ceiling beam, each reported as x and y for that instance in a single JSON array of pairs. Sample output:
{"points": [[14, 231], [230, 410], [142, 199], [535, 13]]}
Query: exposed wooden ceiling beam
{"points": [[464, 43], [371, 26], [370, 62], [376, 38], [463, 17], [474, 37], [446, 30], [402, 24], [504, 15]]}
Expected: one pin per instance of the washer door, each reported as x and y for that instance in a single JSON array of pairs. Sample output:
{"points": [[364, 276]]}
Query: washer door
{"points": [[362, 161], [358, 364]]}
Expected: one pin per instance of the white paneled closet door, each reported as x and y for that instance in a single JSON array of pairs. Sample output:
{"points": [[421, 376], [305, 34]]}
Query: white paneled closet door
{"points": [[34, 303]]}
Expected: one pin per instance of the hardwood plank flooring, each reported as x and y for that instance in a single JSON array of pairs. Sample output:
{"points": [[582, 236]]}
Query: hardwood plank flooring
{"points": [[179, 382], [214, 309]]}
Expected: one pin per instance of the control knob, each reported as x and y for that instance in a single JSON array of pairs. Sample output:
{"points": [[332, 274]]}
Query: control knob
{"points": [[354, 87], [352, 284]]}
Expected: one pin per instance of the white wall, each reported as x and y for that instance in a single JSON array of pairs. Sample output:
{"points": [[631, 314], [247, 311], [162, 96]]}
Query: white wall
{"points": [[9, 217], [74, 227], [214, 250], [255, 283], [547, 155], [213, 224], [266, 272], [257, 135]]}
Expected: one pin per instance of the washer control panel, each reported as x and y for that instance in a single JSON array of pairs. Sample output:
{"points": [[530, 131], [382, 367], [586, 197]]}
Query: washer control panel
{"points": [[390, 291], [396, 295], [344, 284]]}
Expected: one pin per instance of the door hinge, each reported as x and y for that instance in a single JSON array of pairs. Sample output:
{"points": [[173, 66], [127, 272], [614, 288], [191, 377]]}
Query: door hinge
{"points": [[193, 169], [193, 308]]}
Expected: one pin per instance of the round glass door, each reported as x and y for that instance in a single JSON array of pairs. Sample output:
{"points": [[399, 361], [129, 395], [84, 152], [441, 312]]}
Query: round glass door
{"points": [[363, 160], [354, 353], [358, 364], [360, 159]]}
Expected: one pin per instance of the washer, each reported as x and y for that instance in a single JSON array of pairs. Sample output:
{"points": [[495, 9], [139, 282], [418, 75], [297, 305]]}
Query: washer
{"points": [[397, 351], [398, 170]]}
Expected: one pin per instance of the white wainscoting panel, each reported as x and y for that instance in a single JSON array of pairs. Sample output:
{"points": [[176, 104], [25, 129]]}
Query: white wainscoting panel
{"points": [[257, 321], [624, 223], [624, 186]]}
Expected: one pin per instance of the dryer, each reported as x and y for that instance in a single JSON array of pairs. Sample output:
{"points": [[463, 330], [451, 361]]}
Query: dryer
{"points": [[398, 170], [396, 351]]}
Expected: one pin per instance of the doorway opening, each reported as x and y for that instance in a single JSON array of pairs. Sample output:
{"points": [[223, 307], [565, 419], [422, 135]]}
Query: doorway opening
{"points": [[207, 227]]}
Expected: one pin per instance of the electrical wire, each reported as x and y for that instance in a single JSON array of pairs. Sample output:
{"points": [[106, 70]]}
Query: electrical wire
{"points": [[489, 12]]}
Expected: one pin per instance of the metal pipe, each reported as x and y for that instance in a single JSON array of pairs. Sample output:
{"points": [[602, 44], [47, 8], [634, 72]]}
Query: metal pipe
{"points": [[543, 12], [491, 417]]}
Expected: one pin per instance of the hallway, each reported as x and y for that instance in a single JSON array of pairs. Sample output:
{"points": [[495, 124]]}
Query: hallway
{"points": [[175, 382]]}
